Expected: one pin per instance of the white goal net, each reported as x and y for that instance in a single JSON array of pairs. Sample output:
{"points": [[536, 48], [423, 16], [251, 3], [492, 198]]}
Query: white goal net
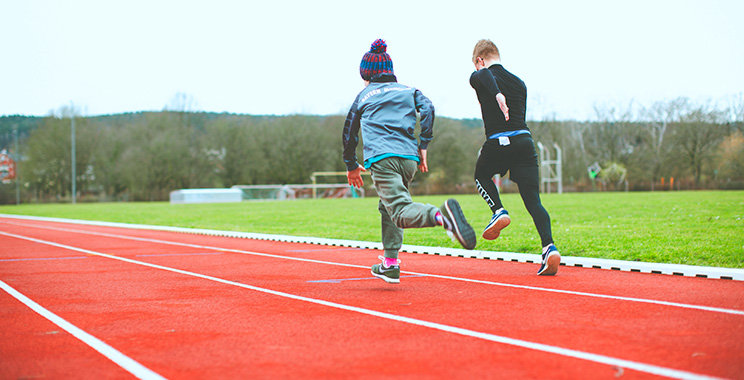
{"points": [[301, 191]]}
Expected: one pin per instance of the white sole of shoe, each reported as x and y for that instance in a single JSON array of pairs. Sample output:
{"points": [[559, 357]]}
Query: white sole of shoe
{"points": [[554, 261], [386, 279], [492, 232], [457, 233]]}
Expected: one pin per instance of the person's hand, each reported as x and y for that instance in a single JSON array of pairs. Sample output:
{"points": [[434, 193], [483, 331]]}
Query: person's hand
{"points": [[355, 177], [501, 99], [423, 166]]}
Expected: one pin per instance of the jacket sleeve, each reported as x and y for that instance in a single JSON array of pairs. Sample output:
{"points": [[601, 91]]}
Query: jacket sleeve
{"points": [[426, 110], [483, 78], [350, 136]]}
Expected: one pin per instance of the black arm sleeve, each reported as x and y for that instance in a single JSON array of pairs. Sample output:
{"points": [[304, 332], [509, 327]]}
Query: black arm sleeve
{"points": [[484, 78]]}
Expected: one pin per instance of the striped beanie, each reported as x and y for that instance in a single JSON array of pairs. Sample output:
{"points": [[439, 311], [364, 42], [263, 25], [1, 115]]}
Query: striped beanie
{"points": [[376, 61]]}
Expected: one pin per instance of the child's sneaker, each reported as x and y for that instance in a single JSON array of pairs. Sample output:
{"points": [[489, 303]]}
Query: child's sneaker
{"points": [[551, 259], [499, 221], [390, 274], [456, 225]]}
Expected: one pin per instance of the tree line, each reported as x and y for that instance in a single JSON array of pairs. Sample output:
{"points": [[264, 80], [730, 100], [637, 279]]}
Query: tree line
{"points": [[143, 156]]}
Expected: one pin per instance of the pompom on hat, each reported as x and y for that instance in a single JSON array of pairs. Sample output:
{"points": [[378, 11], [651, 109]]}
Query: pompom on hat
{"points": [[376, 61]]}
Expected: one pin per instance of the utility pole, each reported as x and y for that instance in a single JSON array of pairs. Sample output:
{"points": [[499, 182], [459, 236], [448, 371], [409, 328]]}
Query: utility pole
{"points": [[74, 191], [17, 161]]}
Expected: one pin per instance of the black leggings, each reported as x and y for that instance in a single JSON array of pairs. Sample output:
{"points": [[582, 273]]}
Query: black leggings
{"points": [[520, 160]]}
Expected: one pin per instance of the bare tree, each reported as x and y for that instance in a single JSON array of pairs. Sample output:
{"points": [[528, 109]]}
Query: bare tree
{"points": [[181, 102], [657, 119], [697, 136], [613, 135], [731, 160], [49, 154]]}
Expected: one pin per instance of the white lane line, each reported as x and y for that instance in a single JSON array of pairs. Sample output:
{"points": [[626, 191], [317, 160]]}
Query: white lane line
{"points": [[595, 295], [180, 254], [736, 274], [596, 358], [123, 361], [525, 287], [45, 258], [340, 280]]}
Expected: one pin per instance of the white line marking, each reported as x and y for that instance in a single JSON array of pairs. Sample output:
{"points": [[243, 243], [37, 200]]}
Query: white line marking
{"points": [[340, 280], [601, 359], [736, 274], [596, 295], [180, 254], [526, 287], [125, 362], [45, 258]]}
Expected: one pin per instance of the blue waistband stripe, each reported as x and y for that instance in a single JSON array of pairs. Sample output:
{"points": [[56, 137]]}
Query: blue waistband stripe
{"points": [[509, 134]]}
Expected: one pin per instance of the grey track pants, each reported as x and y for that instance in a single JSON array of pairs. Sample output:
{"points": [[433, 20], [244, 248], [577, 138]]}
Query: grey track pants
{"points": [[391, 177]]}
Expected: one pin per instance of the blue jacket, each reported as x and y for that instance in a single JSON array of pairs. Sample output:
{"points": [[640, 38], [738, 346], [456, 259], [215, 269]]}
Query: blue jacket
{"points": [[386, 113]]}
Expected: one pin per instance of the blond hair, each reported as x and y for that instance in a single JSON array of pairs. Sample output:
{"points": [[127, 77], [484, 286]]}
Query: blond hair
{"points": [[485, 49]]}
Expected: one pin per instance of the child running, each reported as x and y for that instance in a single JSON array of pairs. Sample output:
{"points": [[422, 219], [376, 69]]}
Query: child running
{"points": [[385, 111], [508, 147]]}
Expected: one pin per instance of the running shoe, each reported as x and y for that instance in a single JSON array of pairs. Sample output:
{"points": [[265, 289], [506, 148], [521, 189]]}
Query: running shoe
{"points": [[499, 221], [456, 225], [551, 259], [390, 274]]}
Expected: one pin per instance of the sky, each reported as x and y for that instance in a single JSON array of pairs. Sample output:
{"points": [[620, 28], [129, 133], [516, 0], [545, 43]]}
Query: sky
{"points": [[302, 57]]}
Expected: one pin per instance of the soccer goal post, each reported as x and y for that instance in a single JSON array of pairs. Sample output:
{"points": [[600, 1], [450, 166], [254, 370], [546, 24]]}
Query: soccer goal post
{"points": [[299, 191], [315, 175], [551, 171]]}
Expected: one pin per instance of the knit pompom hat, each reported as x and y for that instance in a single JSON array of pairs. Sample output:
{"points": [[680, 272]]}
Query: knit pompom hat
{"points": [[376, 61]]}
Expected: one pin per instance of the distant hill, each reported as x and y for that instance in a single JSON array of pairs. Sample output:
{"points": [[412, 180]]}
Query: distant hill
{"points": [[26, 124]]}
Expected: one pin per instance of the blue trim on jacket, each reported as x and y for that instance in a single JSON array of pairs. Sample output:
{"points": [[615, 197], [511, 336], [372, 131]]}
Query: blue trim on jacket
{"points": [[385, 112], [368, 163]]}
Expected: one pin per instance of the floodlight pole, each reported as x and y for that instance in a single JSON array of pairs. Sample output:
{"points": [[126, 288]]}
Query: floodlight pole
{"points": [[74, 191], [17, 161]]}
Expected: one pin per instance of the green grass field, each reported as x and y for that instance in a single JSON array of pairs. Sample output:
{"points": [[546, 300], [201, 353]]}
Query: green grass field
{"points": [[695, 228]]}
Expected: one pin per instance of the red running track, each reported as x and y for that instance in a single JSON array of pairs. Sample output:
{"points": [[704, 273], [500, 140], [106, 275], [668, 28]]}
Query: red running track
{"points": [[89, 302]]}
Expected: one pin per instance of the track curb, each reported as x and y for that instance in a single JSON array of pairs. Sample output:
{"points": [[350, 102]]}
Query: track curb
{"points": [[571, 261]]}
